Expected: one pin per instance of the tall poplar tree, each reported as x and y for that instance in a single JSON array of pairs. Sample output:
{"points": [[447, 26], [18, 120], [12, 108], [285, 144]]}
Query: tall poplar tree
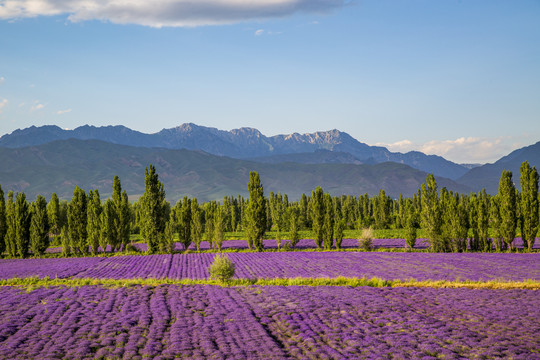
{"points": [[3, 222], [219, 226], [448, 210], [39, 227], [411, 223], [256, 212], [53, 213], [294, 219], [22, 225], [317, 215], [381, 210], [93, 226], [339, 230], [496, 223], [184, 223], [507, 208], [457, 219], [209, 210], [401, 214], [328, 222], [123, 215], [455, 225], [482, 211], [153, 209], [474, 217], [431, 213], [277, 211], [166, 239], [63, 213], [196, 223], [66, 242], [11, 244], [529, 204], [304, 216], [77, 221], [108, 221]]}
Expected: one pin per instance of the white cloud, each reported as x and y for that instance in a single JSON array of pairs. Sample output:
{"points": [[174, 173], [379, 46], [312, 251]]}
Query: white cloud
{"points": [[61, 112], [2, 79], [159, 13], [259, 32], [37, 106], [3, 104], [399, 146], [461, 150]]}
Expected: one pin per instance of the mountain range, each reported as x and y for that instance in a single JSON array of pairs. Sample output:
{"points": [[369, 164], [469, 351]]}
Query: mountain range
{"points": [[209, 163], [243, 143], [487, 176]]}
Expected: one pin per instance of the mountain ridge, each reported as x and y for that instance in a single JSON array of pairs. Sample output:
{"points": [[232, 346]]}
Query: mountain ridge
{"points": [[487, 176], [242, 143]]}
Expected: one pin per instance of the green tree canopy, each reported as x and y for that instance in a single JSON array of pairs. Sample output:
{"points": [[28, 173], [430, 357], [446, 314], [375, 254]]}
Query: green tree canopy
{"points": [[507, 208], [529, 204], [77, 221], [39, 226], [153, 209], [256, 212]]}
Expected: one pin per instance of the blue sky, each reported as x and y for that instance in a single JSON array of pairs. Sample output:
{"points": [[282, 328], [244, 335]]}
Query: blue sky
{"points": [[459, 79]]}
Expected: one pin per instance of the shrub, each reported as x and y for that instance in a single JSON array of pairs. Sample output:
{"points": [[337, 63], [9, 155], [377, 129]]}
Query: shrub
{"points": [[286, 246], [366, 239], [222, 268], [410, 237], [132, 248]]}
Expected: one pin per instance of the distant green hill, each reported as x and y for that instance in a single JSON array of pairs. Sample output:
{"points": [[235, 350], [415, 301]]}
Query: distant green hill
{"points": [[316, 157], [59, 166]]}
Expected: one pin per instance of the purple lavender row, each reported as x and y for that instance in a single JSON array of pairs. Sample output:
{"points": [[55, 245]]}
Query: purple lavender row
{"points": [[201, 322], [390, 266], [53, 268], [308, 244]]}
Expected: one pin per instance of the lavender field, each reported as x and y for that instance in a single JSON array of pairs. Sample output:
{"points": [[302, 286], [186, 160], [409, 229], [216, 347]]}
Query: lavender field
{"points": [[389, 266], [211, 322], [272, 322]]}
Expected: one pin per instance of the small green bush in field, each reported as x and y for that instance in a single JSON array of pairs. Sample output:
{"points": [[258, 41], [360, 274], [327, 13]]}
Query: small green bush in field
{"points": [[132, 248], [222, 268], [366, 239]]}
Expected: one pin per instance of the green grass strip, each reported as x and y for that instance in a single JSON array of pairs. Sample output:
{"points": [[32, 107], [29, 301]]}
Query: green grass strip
{"points": [[34, 282]]}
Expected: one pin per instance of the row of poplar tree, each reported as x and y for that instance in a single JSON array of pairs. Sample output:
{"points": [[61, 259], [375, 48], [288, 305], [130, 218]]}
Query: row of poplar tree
{"points": [[452, 222]]}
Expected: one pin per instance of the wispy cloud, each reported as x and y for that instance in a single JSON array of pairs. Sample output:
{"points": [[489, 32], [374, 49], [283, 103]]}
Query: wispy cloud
{"points": [[61, 112], [36, 106], [463, 149], [2, 79], [159, 13], [267, 32], [3, 103]]}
